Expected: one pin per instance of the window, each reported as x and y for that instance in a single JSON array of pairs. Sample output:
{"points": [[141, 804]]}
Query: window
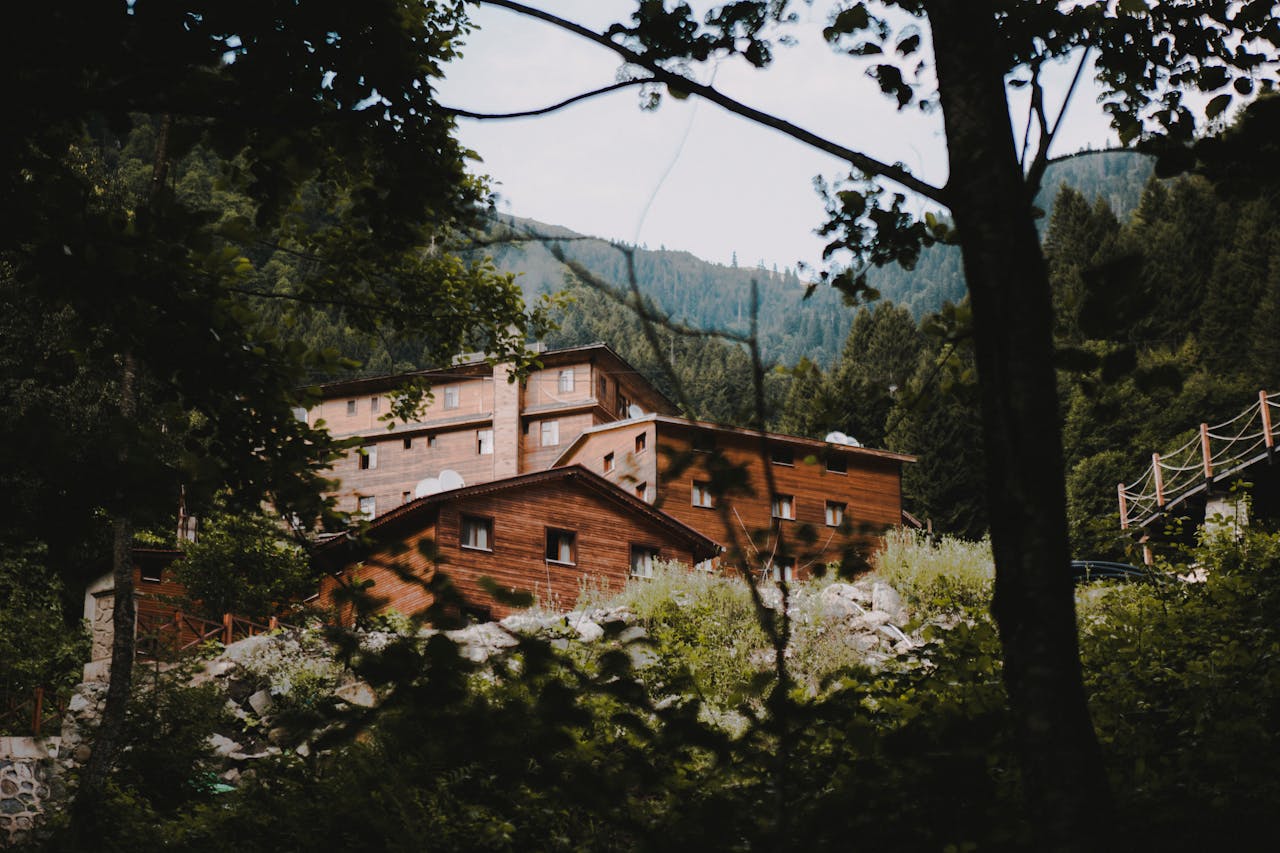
{"points": [[368, 457], [642, 441], [702, 494], [299, 413], [351, 407], [151, 573], [484, 442], [566, 381], [642, 559], [704, 442], [476, 532], [451, 396], [368, 507], [602, 389], [642, 491], [405, 497], [374, 404], [550, 433], [562, 546], [837, 464], [782, 456], [624, 406], [608, 463], [431, 441], [784, 506], [708, 565], [781, 568], [408, 443], [835, 514]]}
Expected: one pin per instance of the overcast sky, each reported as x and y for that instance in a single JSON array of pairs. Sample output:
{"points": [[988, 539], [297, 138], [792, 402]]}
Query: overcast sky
{"points": [[690, 175]]}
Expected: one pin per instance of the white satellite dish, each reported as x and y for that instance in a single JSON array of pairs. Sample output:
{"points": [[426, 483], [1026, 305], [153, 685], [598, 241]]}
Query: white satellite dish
{"points": [[450, 480], [426, 486], [634, 411], [838, 437]]}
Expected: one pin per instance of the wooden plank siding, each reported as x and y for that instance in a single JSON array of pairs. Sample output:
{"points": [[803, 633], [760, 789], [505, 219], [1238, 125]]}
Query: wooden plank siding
{"points": [[869, 488], [601, 382], [605, 521]]}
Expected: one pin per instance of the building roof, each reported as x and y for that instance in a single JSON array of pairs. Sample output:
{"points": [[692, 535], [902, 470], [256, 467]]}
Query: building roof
{"points": [[794, 440], [424, 506], [476, 365]]}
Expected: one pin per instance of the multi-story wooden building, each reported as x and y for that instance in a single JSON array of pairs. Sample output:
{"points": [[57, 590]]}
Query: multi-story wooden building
{"points": [[479, 426], [777, 500], [548, 533]]}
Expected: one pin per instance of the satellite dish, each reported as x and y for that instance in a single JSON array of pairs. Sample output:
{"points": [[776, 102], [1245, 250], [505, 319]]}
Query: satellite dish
{"points": [[634, 411], [450, 479], [426, 486], [840, 438]]}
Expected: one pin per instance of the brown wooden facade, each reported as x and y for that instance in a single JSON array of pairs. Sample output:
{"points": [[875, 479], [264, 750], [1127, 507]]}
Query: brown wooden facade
{"points": [[526, 521], [782, 500], [478, 424]]}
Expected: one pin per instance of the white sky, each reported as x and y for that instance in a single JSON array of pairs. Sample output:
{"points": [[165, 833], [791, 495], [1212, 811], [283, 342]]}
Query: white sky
{"points": [[690, 175]]}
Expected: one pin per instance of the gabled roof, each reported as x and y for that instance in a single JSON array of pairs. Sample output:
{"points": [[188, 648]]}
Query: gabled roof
{"points": [[794, 440], [423, 507], [477, 366]]}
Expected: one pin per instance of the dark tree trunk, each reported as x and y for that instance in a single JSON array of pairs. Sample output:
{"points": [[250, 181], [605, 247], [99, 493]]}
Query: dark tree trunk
{"points": [[106, 740], [1066, 789]]}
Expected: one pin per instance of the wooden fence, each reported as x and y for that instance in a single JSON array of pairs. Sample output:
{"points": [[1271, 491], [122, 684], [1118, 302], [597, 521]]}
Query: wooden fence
{"points": [[33, 714], [168, 636]]}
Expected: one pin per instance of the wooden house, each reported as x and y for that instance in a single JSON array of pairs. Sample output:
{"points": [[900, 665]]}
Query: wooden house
{"points": [[479, 425], [549, 533], [780, 501]]}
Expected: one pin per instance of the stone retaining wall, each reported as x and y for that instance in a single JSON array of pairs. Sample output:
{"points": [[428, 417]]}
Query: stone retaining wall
{"points": [[29, 776]]}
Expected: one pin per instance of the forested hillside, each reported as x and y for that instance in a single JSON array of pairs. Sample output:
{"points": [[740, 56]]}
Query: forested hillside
{"points": [[1165, 319]]}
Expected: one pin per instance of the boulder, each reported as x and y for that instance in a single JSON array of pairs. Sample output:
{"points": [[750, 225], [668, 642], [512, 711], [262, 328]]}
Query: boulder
{"points": [[262, 702], [223, 746], [357, 693]]}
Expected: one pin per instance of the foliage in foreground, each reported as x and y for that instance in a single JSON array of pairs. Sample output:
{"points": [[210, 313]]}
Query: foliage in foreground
{"points": [[551, 750]]}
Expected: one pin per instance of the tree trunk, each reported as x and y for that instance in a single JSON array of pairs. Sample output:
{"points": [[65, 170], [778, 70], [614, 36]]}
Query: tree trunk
{"points": [[1066, 789], [106, 740]]}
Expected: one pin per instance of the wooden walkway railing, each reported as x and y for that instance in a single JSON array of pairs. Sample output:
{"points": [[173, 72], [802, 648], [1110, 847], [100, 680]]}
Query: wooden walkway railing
{"points": [[182, 633], [1216, 453], [33, 714]]}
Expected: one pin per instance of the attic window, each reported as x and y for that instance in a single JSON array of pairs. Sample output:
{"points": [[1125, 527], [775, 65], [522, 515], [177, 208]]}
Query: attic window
{"points": [[782, 456], [837, 464], [704, 442]]}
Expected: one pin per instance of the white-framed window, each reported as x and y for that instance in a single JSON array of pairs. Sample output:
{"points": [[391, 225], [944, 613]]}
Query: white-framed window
{"points": [[452, 396], [374, 404], [368, 507], [642, 560], [566, 381], [783, 506], [550, 433], [608, 463], [702, 495], [351, 407], [835, 513], [368, 457], [476, 532], [782, 569], [562, 546], [484, 442]]}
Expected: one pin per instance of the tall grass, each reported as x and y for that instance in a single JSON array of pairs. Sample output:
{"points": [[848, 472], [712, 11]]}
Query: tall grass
{"points": [[945, 575]]}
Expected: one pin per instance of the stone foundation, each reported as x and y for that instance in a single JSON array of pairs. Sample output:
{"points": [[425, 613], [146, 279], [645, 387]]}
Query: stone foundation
{"points": [[29, 774]]}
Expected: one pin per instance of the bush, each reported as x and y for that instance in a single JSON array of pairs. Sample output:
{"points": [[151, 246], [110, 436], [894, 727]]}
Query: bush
{"points": [[38, 648]]}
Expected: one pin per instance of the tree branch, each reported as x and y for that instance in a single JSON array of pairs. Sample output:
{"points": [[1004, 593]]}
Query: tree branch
{"points": [[543, 110], [862, 162], [1036, 173]]}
